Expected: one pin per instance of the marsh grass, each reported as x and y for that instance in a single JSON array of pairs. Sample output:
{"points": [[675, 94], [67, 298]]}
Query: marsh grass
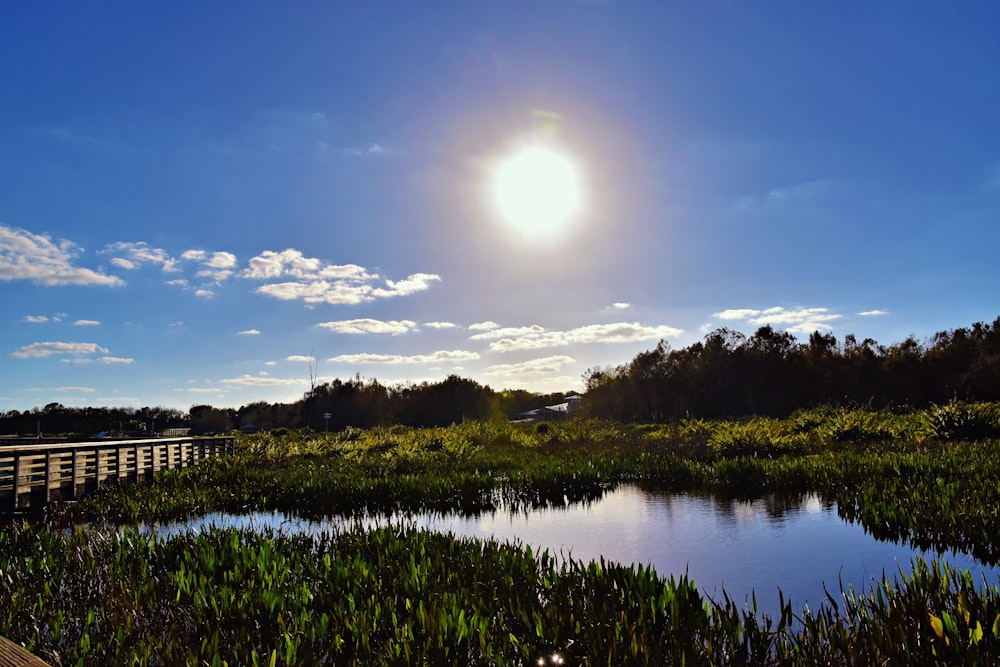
{"points": [[395, 595], [400, 596]]}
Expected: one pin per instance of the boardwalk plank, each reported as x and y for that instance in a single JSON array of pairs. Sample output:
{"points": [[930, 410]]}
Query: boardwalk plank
{"points": [[12, 655]]}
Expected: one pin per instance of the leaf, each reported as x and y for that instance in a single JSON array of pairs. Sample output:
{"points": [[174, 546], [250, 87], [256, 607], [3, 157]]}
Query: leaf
{"points": [[938, 626], [976, 634]]}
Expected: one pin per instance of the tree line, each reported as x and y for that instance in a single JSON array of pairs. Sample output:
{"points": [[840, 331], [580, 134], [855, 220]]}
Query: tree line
{"points": [[727, 374], [770, 373], [331, 405]]}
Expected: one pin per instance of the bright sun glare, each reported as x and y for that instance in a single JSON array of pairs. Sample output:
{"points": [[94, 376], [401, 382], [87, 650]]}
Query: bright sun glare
{"points": [[537, 190]]}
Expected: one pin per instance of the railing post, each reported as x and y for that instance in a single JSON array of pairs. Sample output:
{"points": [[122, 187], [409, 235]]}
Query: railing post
{"points": [[48, 476], [17, 478], [76, 467]]}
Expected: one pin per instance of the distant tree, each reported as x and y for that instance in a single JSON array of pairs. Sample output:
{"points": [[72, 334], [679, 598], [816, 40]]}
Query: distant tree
{"points": [[205, 419]]}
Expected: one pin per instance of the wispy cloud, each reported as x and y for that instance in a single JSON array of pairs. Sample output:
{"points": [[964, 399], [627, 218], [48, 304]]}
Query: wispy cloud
{"points": [[299, 357], [262, 381], [371, 149], [537, 338], [873, 313], [434, 357], [504, 332], [86, 323], [75, 390], [250, 332], [36, 257], [369, 326], [48, 349], [418, 282], [132, 255], [620, 305], [805, 194], [204, 293], [440, 325], [799, 320], [115, 360], [36, 319], [483, 326], [541, 366], [320, 282]]}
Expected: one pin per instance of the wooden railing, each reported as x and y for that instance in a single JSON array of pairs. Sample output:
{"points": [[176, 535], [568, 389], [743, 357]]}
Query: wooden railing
{"points": [[33, 475]]}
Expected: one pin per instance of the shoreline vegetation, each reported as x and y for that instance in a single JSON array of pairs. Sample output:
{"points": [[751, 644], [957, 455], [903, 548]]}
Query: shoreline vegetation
{"points": [[83, 586]]}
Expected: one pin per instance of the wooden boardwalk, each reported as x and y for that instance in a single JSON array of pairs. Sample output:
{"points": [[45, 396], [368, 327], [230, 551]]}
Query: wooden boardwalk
{"points": [[33, 475], [12, 655]]}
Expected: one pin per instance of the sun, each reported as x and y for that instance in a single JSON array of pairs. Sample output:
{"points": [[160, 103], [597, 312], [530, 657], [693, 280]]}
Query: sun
{"points": [[538, 190]]}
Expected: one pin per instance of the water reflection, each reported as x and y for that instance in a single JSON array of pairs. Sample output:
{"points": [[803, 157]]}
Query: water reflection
{"points": [[796, 542]]}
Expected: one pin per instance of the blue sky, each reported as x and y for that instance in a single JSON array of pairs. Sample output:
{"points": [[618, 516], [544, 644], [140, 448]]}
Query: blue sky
{"points": [[197, 199]]}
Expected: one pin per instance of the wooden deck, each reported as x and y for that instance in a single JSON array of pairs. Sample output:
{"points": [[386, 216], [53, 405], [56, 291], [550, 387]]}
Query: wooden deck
{"points": [[12, 655], [33, 475]]}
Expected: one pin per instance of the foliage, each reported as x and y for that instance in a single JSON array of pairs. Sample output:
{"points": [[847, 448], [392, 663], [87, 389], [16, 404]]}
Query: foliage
{"points": [[729, 374], [399, 596], [395, 595]]}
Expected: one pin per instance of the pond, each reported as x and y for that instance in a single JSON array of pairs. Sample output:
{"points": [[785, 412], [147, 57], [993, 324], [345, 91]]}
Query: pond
{"points": [[756, 546]]}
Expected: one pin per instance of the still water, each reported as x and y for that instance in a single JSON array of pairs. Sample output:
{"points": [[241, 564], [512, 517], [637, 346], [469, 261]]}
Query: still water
{"points": [[743, 546]]}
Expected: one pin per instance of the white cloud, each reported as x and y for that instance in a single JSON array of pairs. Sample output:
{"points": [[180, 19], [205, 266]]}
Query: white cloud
{"points": [[434, 357], [799, 320], [504, 332], [250, 332], [261, 381], [36, 319], [620, 305], [542, 366], [621, 332], [736, 314], [291, 263], [367, 326], [129, 255], [299, 357], [76, 390], [440, 325], [483, 326], [50, 348], [179, 282], [537, 338], [873, 313], [320, 291], [219, 266], [86, 323], [35, 257], [115, 360], [270, 363], [204, 293], [418, 282], [313, 281]]}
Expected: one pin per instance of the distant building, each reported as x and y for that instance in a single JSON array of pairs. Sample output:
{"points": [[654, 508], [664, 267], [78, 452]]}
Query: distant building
{"points": [[551, 412]]}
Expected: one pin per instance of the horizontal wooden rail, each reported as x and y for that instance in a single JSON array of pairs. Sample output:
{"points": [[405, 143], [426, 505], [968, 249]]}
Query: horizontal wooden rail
{"points": [[31, 476]]}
